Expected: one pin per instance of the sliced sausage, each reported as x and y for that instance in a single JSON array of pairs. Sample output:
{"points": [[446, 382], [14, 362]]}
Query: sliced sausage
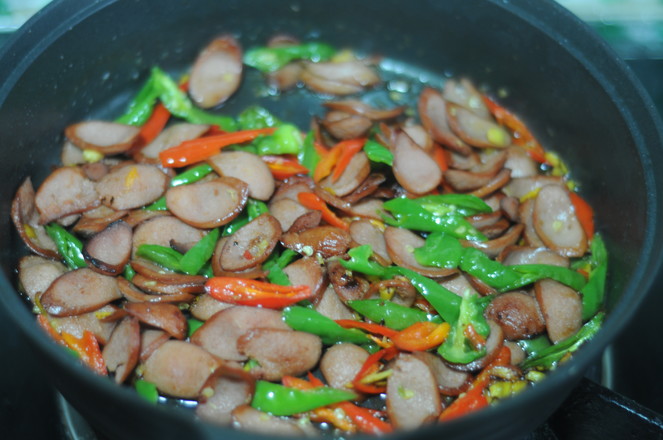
{"points": [[343, 125], [78, 324], [167, 317], [194, 286], [159, 273], [132, 186], [476, 130], [205, 306], [341, 363], [526, 214], [354, 174], [217, 72], [400, 290], [219, 334], [494, 344], [150, 340], [493, 247], [171, 136], [561, 307], [247, 167], [449, 381], [339, 78], [208, 204], [369, 186], [103, 136], [433, 113], [308, 272], [224, 391], [79, 291], [280, 352], [26, 220], [520, 163], [132, 294], [306, 221], [518, 314], [357, 107], [366, 232], [287, 211], [97, 219], [179, 369], [412, 396], [413, 168], [327, 241], [251, 244], [65, 191], [121, 352], [522, 186], [332, 307], [400, 246], [556, 222], [250, 419], [532, 255], [108, 251], [165, 230], [347, 285], [462, 92], [36, 274], [368, 208]]}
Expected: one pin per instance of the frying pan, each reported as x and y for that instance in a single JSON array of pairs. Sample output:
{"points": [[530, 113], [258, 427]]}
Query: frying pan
{"points": [[81, 58]]}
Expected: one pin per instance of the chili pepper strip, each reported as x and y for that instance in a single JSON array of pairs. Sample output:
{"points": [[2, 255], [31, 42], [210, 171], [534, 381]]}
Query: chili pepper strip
{"points": [[327, 162], [197, 150], [370, 363], [283, 167], [585, 214], [349, 148], [87, 348], [369, 327], [421, 336], [255, 293], [154, 125], [312, 201]]}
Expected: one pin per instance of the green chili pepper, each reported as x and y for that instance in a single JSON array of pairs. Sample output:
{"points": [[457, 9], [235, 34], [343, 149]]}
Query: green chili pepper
{"points": [[535, 345], [594, 291], [147, 390], [440, 250], [158, 205], [360, 262], [445, 302], [129, 272], [194, 324], [392, 315], [69, 247], [560, 274], [192, 175], [195, 258], [410, 214], [548, 357], [270, 59], [463, 204], [456, 348], [284, 401], [376, 152], [308, 320], [162, 255], [493, 273], [255, 208], [255, 117], [234, 225], [286, 139], [308, 155], [207, 270], [275, 264], [141, 107]]}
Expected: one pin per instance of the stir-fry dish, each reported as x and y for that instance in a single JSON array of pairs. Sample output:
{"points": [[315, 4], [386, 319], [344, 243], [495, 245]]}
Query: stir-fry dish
{"points": [[380, 269]]}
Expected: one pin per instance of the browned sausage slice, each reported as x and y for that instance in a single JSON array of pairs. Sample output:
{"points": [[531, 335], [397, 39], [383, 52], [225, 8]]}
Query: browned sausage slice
{"points": [[287, 211], [78, 324], [36, 273], [205, 306], [561, 307], [103, 136], [449, 381], [556, 222], [121, 352], [518, 314], [167, 317], [413, 168], [433, 113], [343, 125], [412, 395], [475, 130], [357, 107], [79, 291], [208, 204], [354, 174], [179, 369], [132, 186], [331, 306], [108, 251], [342, 78], [150, 340], [327, 241], [341, 363], [164, 230], [251, 244], [224, 391], [217, 72], [347, 285], [26, 220], [400, 246], [366, 232], [171, 136], [308, 272], [250, 419], [462, 92], [65, 191], [247, 167]]}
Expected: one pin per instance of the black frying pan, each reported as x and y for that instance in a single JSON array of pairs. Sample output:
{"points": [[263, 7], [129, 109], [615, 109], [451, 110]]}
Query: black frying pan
{"points": [[82, 58]]}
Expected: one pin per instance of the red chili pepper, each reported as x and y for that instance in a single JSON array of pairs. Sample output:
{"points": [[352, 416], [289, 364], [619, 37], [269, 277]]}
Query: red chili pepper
{"points": [[440, 155], [154, 125], [474, 398], [349, 148], [371, 365], [369, 327], [421, 336], [327, 162], [255, 293], [585, 214], [197, 150], [312, 201], [365, 420], [43, 323], [283, 167], [522, 136], [87, 348]]}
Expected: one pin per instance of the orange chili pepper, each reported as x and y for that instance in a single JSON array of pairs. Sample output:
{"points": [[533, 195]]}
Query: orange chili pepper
{"points": [[369, 327], [283, 167], [371, 365], [349, 148], [197, 150], [585, 214], [87, 348], [154, 125], [255, 293], [312, 201], [327, 162], [440, 156], [421, 336], [43, 323]]}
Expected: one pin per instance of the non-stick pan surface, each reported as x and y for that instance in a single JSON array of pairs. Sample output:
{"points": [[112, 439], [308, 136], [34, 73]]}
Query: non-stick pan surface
{"points": [[82, 58]]}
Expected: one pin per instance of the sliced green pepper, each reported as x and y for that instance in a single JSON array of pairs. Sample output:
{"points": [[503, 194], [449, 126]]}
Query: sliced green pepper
{"points": [[194, 324], [255, 117], [195, 258], [535, 345], [378, 153], [463, 204], [393, 315], [275, 264], [456, 348], [444, 301], [147, 390], [271, 59], [141, 106], [284, 401], [129, 272], [548, 357], [69, 246], [360, 262], [560, 274], [594, 291], [308, 320], [255, 208], [440, 250], [287, 139], [162, 255], [189, 176], [309, 156]]}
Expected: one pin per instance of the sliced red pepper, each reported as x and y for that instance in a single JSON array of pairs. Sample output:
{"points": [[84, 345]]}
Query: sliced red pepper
{"points": [[283, 167], [421, 336], [312, 201], [255, 293], [327, 162], [370, 365], [154, 125], [474, 398], [365, 420], [43, 323], [585, 214], [369, 327], [522, 136], [440, 155], [349, 148], [197, 150], [88, 349]]}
